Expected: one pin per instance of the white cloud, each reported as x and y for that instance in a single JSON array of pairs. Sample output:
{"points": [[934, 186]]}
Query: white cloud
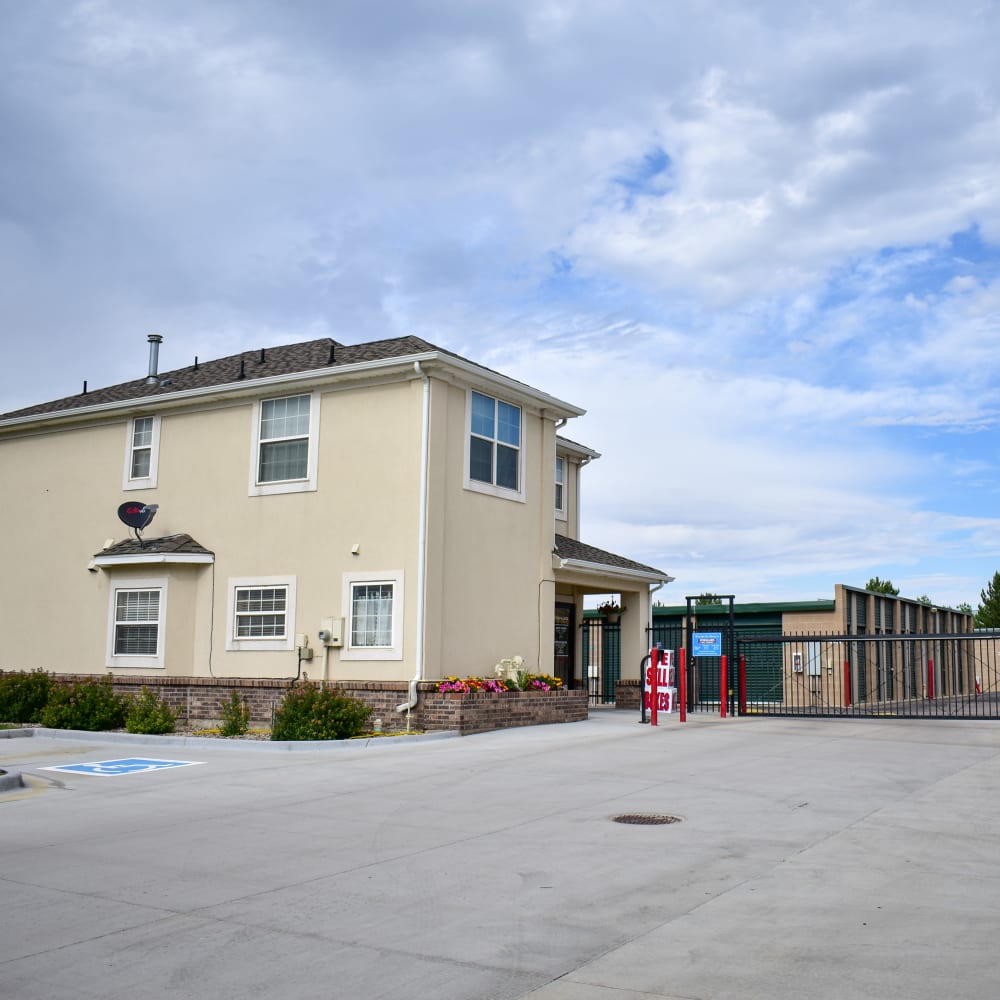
{"points": [[786, 337]]}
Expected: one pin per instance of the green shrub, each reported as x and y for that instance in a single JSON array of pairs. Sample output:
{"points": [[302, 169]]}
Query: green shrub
{"points": [[24, 695], [311, 713], [147, 713], [235, 716], [91, 705]]}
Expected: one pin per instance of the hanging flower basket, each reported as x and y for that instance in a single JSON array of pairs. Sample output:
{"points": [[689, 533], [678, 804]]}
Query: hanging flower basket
{"points": [[612, 611]]}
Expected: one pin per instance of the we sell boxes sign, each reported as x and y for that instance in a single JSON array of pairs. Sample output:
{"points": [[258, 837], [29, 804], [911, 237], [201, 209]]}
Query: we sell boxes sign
{"points": [[661, 678]]}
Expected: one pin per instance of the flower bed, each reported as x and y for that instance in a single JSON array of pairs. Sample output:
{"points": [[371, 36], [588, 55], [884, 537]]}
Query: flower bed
{"points": [[498, 685]]}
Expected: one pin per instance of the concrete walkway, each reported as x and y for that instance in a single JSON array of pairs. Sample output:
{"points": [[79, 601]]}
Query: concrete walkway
{"points": [[834, 859]]}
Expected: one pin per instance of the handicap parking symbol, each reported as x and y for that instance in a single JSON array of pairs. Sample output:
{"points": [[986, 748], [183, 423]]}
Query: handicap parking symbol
{"points": [[126, 765]]}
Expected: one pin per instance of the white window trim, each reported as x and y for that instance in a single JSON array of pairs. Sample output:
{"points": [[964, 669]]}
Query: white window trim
{"points": [[489, 488], [287, 642], [307, 485], [561, 511], [393, 652], [120, 661], [144, 482]]}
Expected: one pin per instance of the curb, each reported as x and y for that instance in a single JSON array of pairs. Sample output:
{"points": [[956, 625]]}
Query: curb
{"points": [[213, 743], [10, 781]]}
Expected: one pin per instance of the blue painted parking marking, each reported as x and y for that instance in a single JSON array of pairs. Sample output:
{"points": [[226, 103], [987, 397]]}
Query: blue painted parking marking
{"points": [[126, 765]]}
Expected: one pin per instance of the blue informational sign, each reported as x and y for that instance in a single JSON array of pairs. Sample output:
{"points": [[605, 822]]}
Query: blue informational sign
{"points": [[707, 644], [127, 765]]}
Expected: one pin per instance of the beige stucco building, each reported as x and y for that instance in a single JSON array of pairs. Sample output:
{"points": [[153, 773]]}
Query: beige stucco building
{"points": [[381, 511]]}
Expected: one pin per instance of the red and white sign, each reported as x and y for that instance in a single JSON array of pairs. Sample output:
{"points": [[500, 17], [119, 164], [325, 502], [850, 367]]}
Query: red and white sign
{"points": [[660, 677]]}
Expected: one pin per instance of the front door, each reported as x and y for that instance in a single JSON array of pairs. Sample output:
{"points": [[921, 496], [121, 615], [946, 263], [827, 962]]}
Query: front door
{"points": [[565, 614]]}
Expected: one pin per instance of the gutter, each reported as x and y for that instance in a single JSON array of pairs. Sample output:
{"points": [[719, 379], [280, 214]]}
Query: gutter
{"points": [[138, 559], [418, 674], [607, 569]]}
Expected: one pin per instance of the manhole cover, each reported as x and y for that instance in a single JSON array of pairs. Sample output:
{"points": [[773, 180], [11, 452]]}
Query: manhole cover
{"points": [[646, 819]]}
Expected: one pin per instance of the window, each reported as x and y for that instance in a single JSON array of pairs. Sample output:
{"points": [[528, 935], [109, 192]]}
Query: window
{"points": [[286, 433], [135, 624], [374, 613], [371, 614], [141, 453], [494, 453], [261, 613], [560, 499]]}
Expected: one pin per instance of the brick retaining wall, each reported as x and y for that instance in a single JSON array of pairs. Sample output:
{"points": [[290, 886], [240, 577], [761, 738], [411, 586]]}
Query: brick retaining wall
{"points": [[198, 702]]}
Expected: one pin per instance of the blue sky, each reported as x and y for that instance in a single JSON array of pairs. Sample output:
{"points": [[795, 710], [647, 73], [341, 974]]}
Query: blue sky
{"points": [[761, 245]]}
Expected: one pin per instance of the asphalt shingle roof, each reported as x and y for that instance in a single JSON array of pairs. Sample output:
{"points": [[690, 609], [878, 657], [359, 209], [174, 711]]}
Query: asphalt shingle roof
{"points": [[571, 548], [167, 545], [312, 355]]}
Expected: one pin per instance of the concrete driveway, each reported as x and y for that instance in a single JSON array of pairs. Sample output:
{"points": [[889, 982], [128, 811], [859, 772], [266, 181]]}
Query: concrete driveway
{"points": [[833, 859]]}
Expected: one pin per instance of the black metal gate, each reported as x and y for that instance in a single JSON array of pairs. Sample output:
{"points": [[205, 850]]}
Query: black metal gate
{"points": [[889, 675], [602, 659]]}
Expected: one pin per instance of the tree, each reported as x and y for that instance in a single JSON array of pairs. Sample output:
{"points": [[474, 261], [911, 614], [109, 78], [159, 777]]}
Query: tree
{"points": [[924, 599], [965, 607], [882, 586], [707, 599], [988, 612]]}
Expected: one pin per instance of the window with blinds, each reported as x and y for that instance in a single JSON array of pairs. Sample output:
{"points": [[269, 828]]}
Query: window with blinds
{"points": [[284, 439], [261, 613], [137, 622]]}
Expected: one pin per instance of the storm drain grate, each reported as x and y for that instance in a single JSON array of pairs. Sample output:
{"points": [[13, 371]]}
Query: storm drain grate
{"points": [[646, 819]]}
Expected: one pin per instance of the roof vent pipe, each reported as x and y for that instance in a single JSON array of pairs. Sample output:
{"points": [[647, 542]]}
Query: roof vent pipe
{"points": [[154, 358]]}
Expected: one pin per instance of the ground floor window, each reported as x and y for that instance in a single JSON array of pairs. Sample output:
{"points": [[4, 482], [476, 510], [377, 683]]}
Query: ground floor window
{"points": [[136, 624], [374, 614], [261, 613], [371, 614]]}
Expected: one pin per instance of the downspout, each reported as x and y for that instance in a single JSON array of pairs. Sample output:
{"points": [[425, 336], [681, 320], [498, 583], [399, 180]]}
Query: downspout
{"points": [[653, 590], [418, 673]]}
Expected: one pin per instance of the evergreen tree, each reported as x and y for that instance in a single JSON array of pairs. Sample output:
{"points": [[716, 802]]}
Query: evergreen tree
{"points": [[882, 586], [988, 612]]}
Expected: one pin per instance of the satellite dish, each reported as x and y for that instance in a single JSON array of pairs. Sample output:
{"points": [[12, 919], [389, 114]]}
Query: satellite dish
{"points": [[137, 515]]}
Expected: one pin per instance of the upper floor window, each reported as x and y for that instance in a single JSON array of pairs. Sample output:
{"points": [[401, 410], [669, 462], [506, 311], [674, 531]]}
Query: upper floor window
{"points": [[141, 453], [560, 498], [286, 432], [494, 454]]}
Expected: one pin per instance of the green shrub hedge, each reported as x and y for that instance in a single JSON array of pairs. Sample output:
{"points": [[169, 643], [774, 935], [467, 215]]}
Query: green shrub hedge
{"points": [[312, 713], [91, 705], [24, 695]]}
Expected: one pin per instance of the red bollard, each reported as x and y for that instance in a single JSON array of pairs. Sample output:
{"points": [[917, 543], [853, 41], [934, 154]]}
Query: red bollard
{"points": [[723, 688], [847, 684], [930, 679], [682, 683]]}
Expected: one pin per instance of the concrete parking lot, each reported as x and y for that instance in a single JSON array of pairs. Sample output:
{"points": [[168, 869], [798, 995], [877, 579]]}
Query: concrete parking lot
{"points": [[834, 858]]}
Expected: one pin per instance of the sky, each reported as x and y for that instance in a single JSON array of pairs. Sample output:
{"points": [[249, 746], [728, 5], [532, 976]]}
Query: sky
{"points": [[759, 242]]}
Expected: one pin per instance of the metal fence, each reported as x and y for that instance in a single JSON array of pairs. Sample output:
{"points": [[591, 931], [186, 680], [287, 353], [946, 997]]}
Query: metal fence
{"points": [[926, 676], [602, 659]]}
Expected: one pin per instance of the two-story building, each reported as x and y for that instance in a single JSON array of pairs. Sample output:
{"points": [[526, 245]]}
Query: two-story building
{"points": [[387, 511]]}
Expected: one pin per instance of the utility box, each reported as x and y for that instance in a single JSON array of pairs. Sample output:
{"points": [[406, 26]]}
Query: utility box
{"points": [[331, 632]]}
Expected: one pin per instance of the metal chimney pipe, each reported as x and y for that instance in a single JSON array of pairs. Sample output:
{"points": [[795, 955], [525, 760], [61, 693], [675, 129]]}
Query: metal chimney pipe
{"points": [[154, 358]]}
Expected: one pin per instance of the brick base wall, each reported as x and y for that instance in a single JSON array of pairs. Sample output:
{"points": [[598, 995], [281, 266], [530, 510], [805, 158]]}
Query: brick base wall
{"points": [[198, 702], [627, 694]]}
